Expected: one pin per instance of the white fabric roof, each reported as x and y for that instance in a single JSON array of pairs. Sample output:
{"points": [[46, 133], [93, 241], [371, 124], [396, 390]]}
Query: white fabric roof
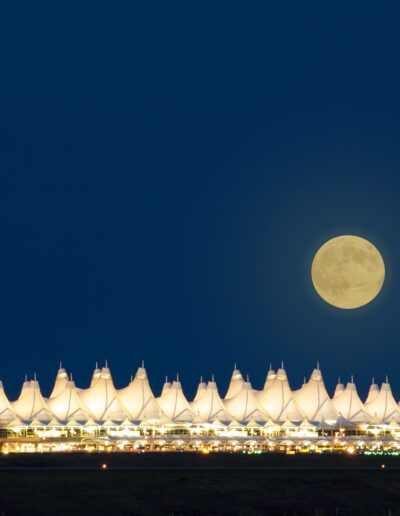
{"points": [[372, 393], [339, 390], [60, 383], [31, 404], [67, 404], [235, 385], [349, 405], [383, 405], [201, 389], [166, 387], [277, 398], [101, 400], [245, 406], [136, 402], [271, 375], [6, 410], [209, 405], [314, 401], [175, 405], [138, 398]]}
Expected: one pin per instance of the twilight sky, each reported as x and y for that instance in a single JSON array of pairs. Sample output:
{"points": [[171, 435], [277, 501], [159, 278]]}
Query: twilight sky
{"points": [[168, 172]]}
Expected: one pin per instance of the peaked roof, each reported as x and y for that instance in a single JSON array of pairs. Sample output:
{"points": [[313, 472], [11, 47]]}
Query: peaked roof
{"points": [[6, 411], [314, 401], [175, 405], [31, 405], [210, 406], [138, 398], [339, 389], [67, 404], [200, 390], [372, 393], [235, 385], [61, 380], [166, 387], [278, 400], [349, 405], [269, 380], [383, 404], [100, 399], [245, 406]]}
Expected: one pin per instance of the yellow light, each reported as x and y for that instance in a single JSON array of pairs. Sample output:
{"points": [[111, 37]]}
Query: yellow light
{"points": [[350, 450], [104, 466]]}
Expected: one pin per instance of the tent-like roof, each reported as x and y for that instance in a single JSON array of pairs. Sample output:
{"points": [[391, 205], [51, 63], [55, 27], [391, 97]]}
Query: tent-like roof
{"points": [[383, 405], [31, 404], [138, 398], [175, 405], [269, 381], [68, 404], [235, 385], [372, 393], [96, 375], [7, 413], [278, 400], [349, 405], [314, 401], [60, 383], [201, 389], [210, 406], [245, 406], [166, 386], [339, 390], [101, 400]]}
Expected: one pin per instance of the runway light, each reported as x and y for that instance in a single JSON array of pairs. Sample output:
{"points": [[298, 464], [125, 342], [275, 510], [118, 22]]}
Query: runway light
{"points": [[104, 466], [383, 466]]}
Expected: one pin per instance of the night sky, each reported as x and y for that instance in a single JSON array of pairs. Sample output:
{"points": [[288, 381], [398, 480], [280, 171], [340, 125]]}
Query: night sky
{"points": [[167, 172]]}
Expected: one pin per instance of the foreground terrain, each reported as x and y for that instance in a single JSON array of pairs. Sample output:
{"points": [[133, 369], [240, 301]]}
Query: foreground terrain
{"points": [[196, 484]]}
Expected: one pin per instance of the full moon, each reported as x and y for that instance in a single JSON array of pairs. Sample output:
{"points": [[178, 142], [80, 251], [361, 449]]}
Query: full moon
{"points": [[348, 271]]}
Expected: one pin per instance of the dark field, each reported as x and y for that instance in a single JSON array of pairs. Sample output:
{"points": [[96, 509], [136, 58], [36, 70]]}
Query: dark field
{"points": [[196, 484]]}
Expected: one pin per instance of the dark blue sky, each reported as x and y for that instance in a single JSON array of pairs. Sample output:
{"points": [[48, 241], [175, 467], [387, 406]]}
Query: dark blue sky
{"points": [[169, 170]]}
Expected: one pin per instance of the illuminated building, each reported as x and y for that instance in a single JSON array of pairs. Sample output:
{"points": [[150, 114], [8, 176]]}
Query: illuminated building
{"points": [[102, 417]]}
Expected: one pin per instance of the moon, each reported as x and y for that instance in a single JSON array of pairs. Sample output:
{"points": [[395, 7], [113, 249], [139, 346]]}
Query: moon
{"points": [[348, 271]]}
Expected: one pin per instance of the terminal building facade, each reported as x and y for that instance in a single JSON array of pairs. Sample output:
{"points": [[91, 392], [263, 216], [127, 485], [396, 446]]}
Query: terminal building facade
{"points": [[276, 418]]}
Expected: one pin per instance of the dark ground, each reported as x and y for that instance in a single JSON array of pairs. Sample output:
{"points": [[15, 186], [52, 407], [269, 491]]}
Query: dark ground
{"points": [[195, 484]]}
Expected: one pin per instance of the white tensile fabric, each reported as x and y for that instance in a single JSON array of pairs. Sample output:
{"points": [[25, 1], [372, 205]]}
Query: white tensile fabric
{"points": [[6, 410], [372, 393], [201, 389], [138, 398], [174, 403], [31, 405], [314, 401], [209, 405], [67, 404], [339, 390], [349, 405], [245, 406], [166, 387], [60, 383], [235, 385], [271, 375], [96, 376], [276, 402], [277, 398], [101, 400], [383, 405]]}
